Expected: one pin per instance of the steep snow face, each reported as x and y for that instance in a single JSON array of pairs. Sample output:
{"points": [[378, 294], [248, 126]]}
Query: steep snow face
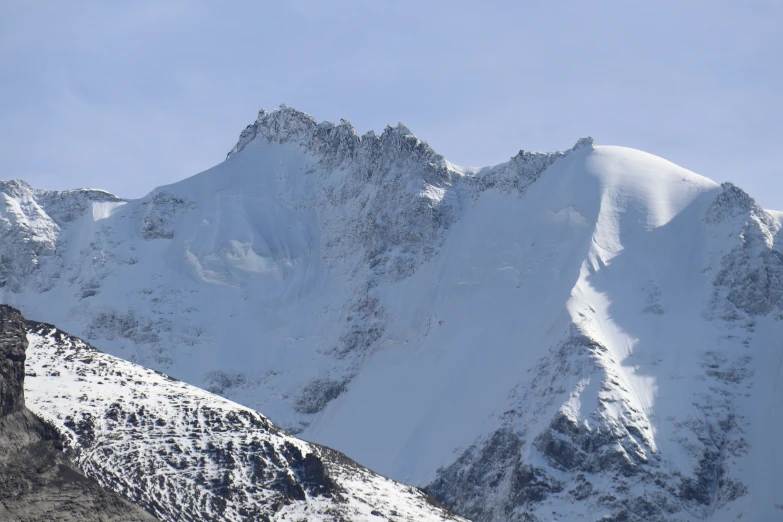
{"points": [[591, 332], [649, 406], [505, 287], [185, 454], [260, 278]]}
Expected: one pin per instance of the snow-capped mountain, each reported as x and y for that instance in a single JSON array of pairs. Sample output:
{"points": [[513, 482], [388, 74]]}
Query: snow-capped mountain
{"points": [[575, 335], [187, 455]]}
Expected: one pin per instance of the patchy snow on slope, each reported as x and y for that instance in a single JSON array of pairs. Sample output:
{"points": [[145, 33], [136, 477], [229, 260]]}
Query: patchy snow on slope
{"points": [[185, 454]]}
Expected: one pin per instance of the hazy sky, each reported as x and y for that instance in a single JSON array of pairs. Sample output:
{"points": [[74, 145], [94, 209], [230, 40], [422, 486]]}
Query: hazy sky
{"points": [[126, 96]]}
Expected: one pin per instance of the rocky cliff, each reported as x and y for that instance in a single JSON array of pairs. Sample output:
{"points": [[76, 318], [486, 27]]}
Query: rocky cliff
{"points": [[38, 482]]}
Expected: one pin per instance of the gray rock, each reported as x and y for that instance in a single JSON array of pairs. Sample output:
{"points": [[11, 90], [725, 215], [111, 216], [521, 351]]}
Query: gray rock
{"points": [[37, 480]]}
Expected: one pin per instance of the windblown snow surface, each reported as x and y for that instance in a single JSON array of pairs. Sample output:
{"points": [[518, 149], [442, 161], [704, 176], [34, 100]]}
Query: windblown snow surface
{"points": [[580, 335]]}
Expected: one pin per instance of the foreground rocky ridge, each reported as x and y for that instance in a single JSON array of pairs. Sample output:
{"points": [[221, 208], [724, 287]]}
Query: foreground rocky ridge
{"points": [[594, 333], [37, 480], [187, 455]]}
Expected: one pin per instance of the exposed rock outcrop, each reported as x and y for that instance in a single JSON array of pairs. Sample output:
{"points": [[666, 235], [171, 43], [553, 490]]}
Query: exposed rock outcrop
{"points": [[185, 454], [37, 480]]}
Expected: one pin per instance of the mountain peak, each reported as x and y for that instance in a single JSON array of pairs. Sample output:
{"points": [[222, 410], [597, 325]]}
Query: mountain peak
{"points": [[399, 129], [286, 124], [15, 187], [730, 202], [584, 143], [335, 142]]}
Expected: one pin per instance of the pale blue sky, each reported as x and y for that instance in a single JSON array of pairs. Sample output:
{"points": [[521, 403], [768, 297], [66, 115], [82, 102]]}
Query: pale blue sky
{"points": [[126, 96]]}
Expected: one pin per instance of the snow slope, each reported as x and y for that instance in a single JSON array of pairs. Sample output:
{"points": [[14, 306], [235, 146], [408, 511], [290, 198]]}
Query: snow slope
{"points": [[591, 332]]}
